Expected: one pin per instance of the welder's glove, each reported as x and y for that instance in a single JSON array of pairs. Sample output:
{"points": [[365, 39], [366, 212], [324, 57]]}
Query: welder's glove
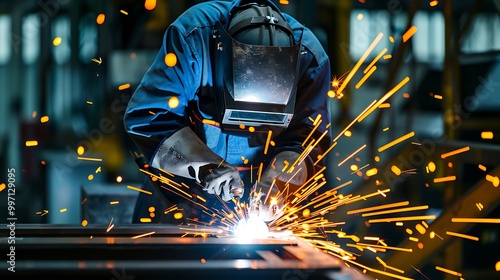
{"points": [[223, 181], [184, 154], [265, 196]]}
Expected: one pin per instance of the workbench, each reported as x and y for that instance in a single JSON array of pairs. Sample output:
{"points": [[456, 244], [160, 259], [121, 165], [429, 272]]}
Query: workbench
{"points": [[95, 252]]}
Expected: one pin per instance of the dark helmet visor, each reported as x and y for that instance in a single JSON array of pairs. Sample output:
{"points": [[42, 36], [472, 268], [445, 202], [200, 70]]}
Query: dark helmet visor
{"points": [[255, 81]]}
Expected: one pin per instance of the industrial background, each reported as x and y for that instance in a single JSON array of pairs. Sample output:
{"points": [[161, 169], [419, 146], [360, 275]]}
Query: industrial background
{"points": [[73, 93]]}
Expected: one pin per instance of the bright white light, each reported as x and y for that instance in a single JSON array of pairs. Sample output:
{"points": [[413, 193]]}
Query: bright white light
{"points": [[251, 228]]}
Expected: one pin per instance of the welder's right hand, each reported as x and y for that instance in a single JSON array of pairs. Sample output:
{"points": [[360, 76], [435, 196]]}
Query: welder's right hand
{"points": [[265, 197], [223, 181], [266, 202]]}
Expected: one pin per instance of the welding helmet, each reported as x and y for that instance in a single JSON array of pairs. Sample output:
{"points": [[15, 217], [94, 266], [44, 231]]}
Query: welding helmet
{"points": [[256, 62]]}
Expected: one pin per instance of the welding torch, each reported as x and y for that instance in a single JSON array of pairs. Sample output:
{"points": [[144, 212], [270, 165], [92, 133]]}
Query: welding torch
{"points": [[237, 193]]}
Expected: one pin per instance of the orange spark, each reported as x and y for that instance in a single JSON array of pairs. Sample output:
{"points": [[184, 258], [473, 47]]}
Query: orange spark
{"points": [[57, 41], [399, 219], [445, 179], [342, 185], [395, 269], [150, 4], [31, 143], [414, 208], [449, 271], [210, 122], [385, 247], [384, 206], [178, 215], [365, 77], [375, 60], [384, 98], [475, 220], [396, 170], [371, 238], [90, 159], [396, 141], [457, 151], [431, 166], [110, 227], [479, 206], [124, 86], [351, 155], [474, 238], [353, 121], [139, 190], [142, 235], [317, 122], [100, 18], [266, 147], [173, 102], [371, 172], [170, 59], [360, 62], [493, 179], [410, 32], [420, 228], [487, 135]]}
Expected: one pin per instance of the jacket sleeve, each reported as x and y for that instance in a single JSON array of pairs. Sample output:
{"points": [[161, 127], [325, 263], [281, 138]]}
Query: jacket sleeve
{"points": [[312, 100], [157, 108]]}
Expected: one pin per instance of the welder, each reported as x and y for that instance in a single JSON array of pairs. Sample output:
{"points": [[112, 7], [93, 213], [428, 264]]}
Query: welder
{"points": [[248, 87]]}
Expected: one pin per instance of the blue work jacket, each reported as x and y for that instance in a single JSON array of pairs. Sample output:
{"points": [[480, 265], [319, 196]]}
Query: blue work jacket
{"points": [[149, 119]]}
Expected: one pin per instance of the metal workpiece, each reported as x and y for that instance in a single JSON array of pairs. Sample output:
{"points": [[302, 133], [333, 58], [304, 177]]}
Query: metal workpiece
{"points": [[162, 252]]}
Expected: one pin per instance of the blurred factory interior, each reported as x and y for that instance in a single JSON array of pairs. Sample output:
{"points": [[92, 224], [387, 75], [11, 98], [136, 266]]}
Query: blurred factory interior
{"points": [[451, 101]]}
